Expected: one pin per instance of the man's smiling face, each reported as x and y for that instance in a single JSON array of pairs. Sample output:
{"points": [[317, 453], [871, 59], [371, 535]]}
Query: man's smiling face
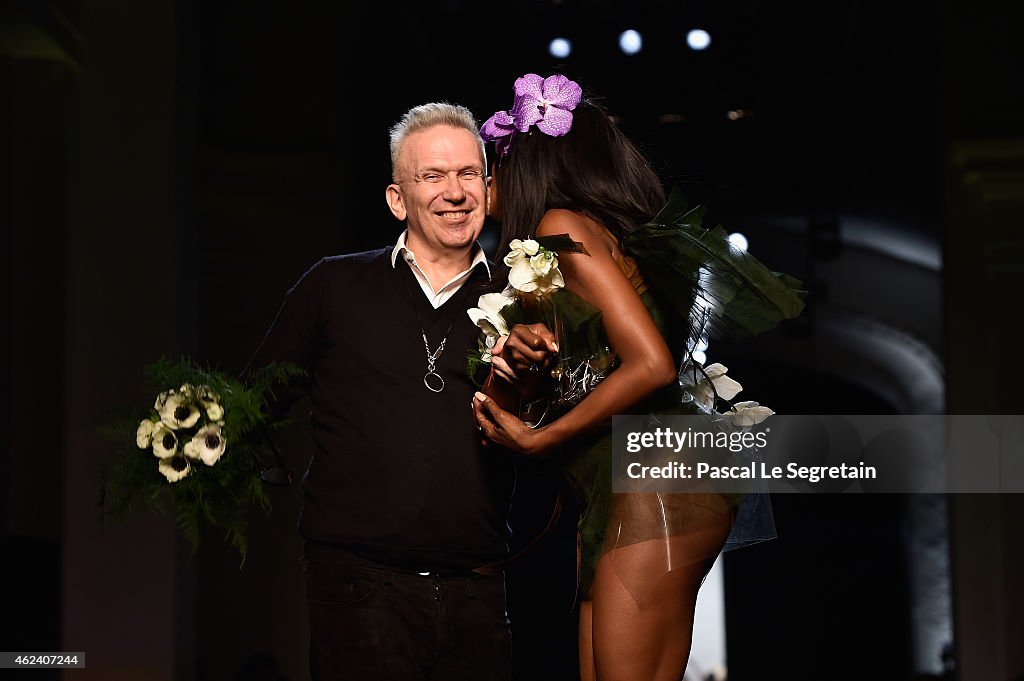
{"points": [[441, 190]]}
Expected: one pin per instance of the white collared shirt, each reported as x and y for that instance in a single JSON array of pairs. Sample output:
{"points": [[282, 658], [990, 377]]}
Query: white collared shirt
{"points": [[439, 297]]}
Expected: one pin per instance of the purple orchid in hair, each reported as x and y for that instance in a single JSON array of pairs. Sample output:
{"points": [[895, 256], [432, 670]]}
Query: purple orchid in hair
{"points": [[498, 129], [544, 102]]}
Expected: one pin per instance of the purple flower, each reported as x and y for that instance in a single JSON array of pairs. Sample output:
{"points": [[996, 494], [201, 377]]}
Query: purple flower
{"points": [[497, 126], [498, 129], [546, 102]]}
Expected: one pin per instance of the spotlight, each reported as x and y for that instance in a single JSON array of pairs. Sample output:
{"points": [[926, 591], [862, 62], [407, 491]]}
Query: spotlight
{"points": [[738, 241], [698, 39], [630, 41], [699, 357], [560, 48]]}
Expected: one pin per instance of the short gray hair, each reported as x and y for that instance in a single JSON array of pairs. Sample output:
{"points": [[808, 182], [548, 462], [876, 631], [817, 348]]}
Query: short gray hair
{"points": [[427, 116]]}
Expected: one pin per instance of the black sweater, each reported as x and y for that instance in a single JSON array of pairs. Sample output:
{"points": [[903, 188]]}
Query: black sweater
{"points": [[397, 472]]}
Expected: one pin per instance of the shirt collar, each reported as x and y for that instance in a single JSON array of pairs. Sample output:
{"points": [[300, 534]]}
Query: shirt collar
{"points": [[478, 253]]}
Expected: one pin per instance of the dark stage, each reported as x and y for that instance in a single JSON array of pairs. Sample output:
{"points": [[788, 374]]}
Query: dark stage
{"points": [[171, 167]]}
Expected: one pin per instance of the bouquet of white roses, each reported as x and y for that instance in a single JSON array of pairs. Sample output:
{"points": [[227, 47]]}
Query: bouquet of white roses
{"points": [[197, 452]]}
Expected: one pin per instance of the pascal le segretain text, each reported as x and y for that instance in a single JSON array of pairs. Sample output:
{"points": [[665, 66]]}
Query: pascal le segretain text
{"points": [[755, 470]]}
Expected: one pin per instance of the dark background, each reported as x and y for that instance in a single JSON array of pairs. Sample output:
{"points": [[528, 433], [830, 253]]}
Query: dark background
{"points": [[169, 168]]}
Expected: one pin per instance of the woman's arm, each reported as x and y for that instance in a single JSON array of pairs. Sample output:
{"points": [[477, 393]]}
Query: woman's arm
{"points": [[645, 361]]}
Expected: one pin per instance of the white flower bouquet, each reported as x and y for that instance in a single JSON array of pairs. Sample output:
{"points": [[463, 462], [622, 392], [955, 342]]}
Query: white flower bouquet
{"points": [[536, 293], [197, 453], [533, 276]]}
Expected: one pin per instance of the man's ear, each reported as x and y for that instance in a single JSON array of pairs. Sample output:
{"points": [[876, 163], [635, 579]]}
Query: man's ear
{"points": [[394, 198]]}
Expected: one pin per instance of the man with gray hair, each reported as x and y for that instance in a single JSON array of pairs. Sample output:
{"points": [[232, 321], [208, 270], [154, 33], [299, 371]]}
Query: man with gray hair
{"points": [[404, 513]]}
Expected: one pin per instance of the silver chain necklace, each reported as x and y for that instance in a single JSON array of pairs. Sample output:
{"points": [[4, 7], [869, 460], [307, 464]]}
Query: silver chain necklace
{"points": [[433, 380]]}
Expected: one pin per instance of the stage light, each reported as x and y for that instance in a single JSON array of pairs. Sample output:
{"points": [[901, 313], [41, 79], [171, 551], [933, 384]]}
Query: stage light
{"points": [[736, 114], [698, 39], [702, 344], [630, 41], [560, 48], [738, 241], [699, 357]]}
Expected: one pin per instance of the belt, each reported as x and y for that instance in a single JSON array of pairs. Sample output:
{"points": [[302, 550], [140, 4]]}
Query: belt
{"points": [[319, 549]]}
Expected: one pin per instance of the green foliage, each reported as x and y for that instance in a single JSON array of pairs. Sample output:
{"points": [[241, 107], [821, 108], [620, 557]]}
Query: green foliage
{"points": [[476, 367], [684, 261], [220, 495], [561, 243]]}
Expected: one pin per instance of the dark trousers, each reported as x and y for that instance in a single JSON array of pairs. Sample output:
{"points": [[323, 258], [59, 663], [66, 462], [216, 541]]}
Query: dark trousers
{"points": [[371, 622]]}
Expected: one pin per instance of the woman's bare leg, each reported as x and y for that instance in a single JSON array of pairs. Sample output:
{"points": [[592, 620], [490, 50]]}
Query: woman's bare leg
{"points": [[587, 641], [645, 631]]}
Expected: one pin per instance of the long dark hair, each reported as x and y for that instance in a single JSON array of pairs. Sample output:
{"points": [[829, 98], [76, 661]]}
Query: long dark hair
{"points": [[595, 169]]}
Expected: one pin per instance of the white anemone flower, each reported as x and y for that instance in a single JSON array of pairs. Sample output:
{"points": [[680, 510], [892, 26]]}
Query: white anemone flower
{"points": [[214, 411], [165, 442], [487, 315], [144, 434], [178, 412], [714, 375], [208, 444], [161, 399], [210, 402], [746, 414], [175, 468]]}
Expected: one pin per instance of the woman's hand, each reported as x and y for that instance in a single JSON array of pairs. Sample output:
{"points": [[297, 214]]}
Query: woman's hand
{"points": [[506, 429], [525, 357]]}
